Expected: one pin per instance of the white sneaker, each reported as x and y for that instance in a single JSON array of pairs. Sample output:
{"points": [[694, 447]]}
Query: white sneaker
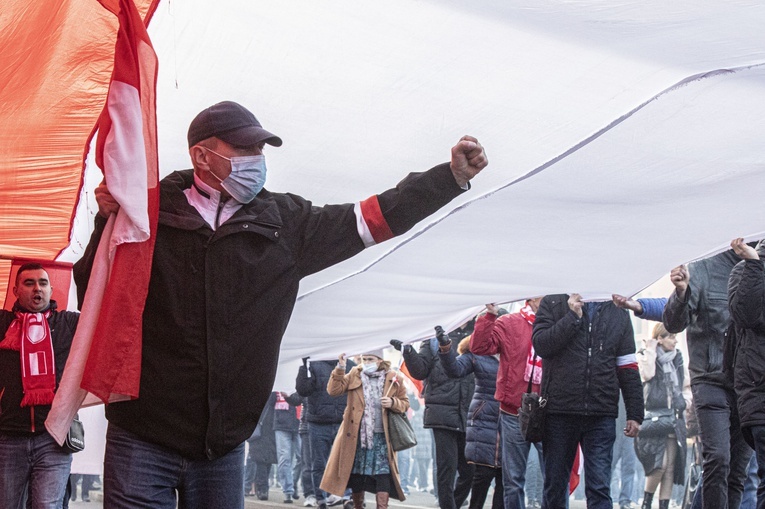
{"points": [[310, 501], [334, 500]]}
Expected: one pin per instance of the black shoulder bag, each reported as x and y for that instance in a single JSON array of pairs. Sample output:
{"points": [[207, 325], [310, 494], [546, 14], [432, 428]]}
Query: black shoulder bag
{"points": [[531, 413]]}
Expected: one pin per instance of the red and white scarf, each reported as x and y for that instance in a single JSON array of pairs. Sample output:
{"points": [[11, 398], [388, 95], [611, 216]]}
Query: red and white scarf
{"points": [[30, 334], [528, 314]]}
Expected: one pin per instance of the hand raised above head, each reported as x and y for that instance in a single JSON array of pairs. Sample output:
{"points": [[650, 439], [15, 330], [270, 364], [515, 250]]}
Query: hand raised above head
{"points": [[398, 345], [468, 159], [575, 304], [744, 250]]}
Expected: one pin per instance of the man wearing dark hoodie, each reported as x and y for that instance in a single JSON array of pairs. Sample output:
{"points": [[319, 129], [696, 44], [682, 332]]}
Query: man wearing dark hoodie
{"points": [[324, 415], [699, 305]]}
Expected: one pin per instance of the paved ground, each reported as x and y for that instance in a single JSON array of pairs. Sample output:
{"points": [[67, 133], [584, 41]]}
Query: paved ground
{"points": [[416, 500]]}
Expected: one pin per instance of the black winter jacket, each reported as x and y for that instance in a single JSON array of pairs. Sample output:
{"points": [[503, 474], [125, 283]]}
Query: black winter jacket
{"points": [[580, 368], [13, 418], [446, 399], [747, 307], [704, 313], [219, 302], [321, 408], [287, 420]]}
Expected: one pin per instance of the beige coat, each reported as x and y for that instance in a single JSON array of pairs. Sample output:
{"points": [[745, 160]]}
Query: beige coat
{"points": [[340, 462]]}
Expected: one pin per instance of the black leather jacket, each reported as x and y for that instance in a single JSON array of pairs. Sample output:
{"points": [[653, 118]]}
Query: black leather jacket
{"points": [[705, 317]]}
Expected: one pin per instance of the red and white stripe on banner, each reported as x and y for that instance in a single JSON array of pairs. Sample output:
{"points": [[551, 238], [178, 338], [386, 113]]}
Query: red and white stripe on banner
{"points": [[105, 359]]}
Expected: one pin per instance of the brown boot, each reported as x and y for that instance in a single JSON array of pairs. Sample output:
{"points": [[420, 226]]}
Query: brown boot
{"points": [[358, 500], [382, 499]]}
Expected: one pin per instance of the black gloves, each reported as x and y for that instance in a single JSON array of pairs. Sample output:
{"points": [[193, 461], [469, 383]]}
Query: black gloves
{"points": [[396, 344], [442, 336]]}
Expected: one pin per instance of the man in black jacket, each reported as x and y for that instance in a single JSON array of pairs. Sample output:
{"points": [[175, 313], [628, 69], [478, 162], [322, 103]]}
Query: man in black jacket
{"points": [[588, 353], [228, 259], [746, 297], [324, 415], [446, 405], [699, 305], [35, 339]]}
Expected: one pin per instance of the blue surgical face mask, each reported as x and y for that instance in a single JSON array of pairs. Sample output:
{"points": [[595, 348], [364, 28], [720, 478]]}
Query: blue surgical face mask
{"points": [[370, 368], [247, 177]]}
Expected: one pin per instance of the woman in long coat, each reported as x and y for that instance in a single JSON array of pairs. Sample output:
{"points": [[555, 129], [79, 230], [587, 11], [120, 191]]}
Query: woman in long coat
{"points": [[362, 458], [662, 457]]}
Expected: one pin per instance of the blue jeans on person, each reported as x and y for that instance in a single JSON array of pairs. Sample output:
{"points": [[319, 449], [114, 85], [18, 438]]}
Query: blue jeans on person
{"points": [[596, 435], [142, 474], [749, 498], [758, 438], [321, 437], [305, 466], [34, 470], [534, 478], [515, 455], [725, 453], [623, 478], [287, 446]]}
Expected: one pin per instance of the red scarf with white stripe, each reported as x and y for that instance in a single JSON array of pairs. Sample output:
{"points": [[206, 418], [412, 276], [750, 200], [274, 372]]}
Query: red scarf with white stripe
{"points": [[30, 334], [528, 314]]}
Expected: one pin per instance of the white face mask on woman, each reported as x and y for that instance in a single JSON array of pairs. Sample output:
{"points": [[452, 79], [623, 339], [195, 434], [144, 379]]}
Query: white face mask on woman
{"points": [[370, 368], [247, 177]]}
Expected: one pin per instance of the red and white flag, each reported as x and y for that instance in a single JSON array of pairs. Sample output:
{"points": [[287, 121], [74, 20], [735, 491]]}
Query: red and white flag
{"points": [[105, 359]]}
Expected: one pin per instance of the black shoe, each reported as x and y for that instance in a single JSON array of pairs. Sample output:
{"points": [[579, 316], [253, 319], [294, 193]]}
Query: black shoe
{"points": [[288, 499], [262, 495], [296, 496], [348, 504], [322, 506]]}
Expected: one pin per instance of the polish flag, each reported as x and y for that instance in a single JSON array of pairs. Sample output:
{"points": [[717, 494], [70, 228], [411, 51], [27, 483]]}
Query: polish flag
{"points": [[105, 360]]}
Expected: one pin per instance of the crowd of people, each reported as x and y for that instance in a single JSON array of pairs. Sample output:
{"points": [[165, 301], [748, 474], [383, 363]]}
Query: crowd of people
{"points": [[220, 230], [582, 357]]}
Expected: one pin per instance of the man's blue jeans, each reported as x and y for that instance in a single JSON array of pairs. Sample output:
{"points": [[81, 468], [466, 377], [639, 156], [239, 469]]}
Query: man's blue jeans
{"points": [[596, 435], [321, 437], [623, 478], [515, 455], [34, 467], [287, 447], [758, 437], [725, 453], [141, 474], [404, 468]]}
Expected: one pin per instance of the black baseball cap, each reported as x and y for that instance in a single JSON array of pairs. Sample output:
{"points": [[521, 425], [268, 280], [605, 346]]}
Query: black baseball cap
{"points": [[232, 123]]}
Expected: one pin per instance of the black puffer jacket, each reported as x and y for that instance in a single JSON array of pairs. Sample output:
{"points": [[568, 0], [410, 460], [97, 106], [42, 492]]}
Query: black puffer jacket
{"points": [[320, 407], [580, 369], [446, 399], [13, 418], [704, 313], [747, 307], [219, 302]]}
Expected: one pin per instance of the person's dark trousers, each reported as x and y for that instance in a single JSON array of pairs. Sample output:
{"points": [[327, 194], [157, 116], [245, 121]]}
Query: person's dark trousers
{"points": [[481, 484], [724, 452], [321, 437], [450, 460], [758, 439], [262, 473], [305, 466], [596, 436]]}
